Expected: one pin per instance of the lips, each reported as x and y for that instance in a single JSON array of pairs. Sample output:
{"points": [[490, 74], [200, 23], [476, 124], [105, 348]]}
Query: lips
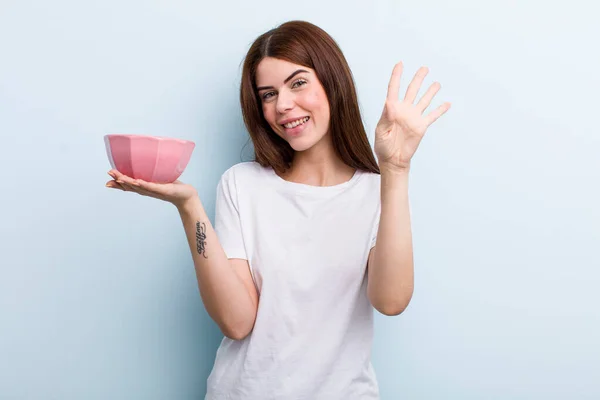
{"points": [[294, 122]]}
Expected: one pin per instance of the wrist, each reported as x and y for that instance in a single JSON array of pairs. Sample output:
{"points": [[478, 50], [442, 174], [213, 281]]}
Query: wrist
{"points": [[394, 170], [188, 205], [394, 178]]}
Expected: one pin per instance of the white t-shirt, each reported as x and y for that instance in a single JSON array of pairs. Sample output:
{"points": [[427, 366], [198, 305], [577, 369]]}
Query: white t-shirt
{"points": [[307, 247]]}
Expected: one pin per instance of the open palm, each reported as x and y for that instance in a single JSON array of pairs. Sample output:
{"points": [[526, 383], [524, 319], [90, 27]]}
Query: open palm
{"points": [[176, 193], [403, 123]]}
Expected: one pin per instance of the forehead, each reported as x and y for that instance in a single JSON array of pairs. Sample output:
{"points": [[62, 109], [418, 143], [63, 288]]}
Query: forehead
{"points": [[273, 71]]}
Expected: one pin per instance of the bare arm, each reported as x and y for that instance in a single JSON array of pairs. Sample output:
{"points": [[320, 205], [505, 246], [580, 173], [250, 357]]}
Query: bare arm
{"points": [[390, 268], [401, 128], [226, 285]]}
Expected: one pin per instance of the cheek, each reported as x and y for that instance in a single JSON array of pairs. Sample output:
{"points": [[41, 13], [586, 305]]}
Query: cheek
{"points": [[319, 103], [268, 113], [314, 99]]}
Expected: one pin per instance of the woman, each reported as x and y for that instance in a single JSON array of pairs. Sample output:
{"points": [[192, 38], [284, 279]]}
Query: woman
{"points": [[298, 257]]}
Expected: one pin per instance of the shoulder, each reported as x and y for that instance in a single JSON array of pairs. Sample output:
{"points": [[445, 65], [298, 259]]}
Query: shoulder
{"points": [[367, 190], [245, 169], [370, 180], [242, 181], [244, 174]]}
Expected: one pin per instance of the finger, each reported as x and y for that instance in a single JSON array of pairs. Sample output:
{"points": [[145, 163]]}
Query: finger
{"points": [[113, 185], [394, 85], [118, 175], [415, 85], [428, 96], [438, 112], [150, 186], [114, 174], [127, 186], [135, 185], [124, 178]]}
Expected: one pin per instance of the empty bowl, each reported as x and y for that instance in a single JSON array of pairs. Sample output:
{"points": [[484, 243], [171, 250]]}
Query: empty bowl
{"points": [[150, 158]]}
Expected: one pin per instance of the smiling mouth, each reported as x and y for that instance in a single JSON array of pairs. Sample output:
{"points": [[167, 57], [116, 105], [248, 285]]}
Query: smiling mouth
{"points": [[296, 123]]}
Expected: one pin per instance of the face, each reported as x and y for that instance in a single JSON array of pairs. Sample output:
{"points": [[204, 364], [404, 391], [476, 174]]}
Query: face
{"points": [[294, 102]]}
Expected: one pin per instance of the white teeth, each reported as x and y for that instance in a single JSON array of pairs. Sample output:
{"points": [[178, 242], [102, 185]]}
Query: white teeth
{"points": [[296, 123]]}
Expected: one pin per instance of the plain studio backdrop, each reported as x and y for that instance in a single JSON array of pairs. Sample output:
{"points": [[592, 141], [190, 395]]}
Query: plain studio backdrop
{"points": [[98, 296]]}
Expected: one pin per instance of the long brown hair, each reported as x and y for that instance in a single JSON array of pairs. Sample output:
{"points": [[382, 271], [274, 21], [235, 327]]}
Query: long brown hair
{"points": [[303, 43]]}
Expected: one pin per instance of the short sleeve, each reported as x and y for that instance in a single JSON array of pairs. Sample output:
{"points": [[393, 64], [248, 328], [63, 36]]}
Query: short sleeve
{"points": [[375, 228], [227, 217]]}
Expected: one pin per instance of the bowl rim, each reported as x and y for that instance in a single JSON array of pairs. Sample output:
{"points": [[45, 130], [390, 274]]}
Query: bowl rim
{"points": [[151, 137]]}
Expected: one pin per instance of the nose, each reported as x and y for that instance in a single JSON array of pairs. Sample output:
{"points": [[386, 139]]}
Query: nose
{"points": [[285, 102]]}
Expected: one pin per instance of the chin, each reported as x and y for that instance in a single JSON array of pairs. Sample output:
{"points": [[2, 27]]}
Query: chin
{"points": [[302, 143]]}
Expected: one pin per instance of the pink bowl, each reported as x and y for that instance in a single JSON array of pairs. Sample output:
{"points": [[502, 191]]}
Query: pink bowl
{"points": [[150, 158]]}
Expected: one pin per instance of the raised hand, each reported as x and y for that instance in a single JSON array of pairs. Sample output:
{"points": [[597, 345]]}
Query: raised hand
{"points": [[403, 123]]}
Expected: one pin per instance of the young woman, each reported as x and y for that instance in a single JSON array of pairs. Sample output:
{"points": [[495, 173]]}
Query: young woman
{"points": [[313, 234]]}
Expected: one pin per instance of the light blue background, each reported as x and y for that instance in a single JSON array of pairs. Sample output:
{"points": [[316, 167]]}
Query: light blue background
{"points": [[98, 297]]}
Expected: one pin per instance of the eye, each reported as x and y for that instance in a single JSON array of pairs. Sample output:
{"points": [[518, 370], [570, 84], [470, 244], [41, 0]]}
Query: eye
{"points": [[299, 83], [267, 96]]}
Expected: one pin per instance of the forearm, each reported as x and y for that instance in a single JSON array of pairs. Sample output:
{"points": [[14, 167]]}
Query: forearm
{"points": [[223, 293], [391, 272]]}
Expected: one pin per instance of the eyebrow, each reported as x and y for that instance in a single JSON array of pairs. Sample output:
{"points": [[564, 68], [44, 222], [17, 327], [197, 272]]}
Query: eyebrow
{"points": [[286, 80]]}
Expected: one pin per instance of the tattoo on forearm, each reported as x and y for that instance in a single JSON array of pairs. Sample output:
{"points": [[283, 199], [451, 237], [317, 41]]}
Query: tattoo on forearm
{"points": [[201, 238]]}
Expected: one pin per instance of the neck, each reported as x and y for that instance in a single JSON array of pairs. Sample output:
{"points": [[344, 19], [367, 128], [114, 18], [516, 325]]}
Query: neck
{"points": [[318, 166]]}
